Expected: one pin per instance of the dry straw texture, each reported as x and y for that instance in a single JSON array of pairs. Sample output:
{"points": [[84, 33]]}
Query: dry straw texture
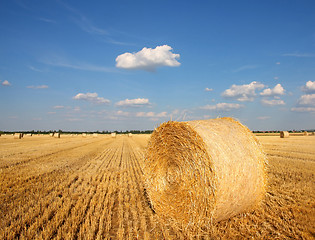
{"points": [[305, 133], [204, 171], [113, 135], [129, 134], [284, 134], [18, 135]]}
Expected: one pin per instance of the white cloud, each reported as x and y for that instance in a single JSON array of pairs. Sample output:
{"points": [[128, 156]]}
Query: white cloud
{"points": [[77, 109], [309, 87], [151, 114], [263, 117], [161, 114], [38, 87], [303, 109], [91, 97], [74, 119], [148, 59], [243, 93], [272, 102], [35, 69], [307, 100], [138, 102], [122, 113], [59, 107], [223, 106], [276, 91], [298, 55], [306, 103], [278, 63], [208, 89], [6, 83]]}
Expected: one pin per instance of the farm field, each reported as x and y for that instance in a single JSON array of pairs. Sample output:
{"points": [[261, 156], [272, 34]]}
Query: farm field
{"points": [[92, 188]]}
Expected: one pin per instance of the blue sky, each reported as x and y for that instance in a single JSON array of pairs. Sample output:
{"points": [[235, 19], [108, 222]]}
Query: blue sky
{"points": [[119, 65]]}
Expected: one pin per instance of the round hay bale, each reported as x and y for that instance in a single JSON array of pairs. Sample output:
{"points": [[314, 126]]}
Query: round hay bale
{"points": [[305, 133], [129, 134], [51, 134], [18, 135], [84, 134], [284, 134], [113, 135], [56, 135], [205, 171]]}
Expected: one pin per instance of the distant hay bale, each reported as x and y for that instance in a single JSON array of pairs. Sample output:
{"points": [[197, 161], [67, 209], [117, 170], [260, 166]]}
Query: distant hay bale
{"points": [[95, 134], [284, 134], [56, 135], [83, 134], [113, 135], [51, 134], [129, 134], [204, 171], [18, 135], [305, 133]]}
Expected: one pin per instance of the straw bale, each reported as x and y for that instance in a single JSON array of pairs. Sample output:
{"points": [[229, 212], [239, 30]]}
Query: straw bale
{"points": [[305, 133], [129, 134], [18, 135], [56, 135], [205, 171], [51, 134], [284, 134], [113, 135], [83, 134], [95, 135]]}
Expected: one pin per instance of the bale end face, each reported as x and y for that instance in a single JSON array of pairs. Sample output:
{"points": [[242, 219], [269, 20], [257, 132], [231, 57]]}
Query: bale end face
{"points": [[202, 171], [284, 134]]}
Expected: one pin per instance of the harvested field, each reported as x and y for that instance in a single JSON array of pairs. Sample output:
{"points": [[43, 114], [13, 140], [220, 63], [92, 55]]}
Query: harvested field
{"points": [[92, 188]]}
